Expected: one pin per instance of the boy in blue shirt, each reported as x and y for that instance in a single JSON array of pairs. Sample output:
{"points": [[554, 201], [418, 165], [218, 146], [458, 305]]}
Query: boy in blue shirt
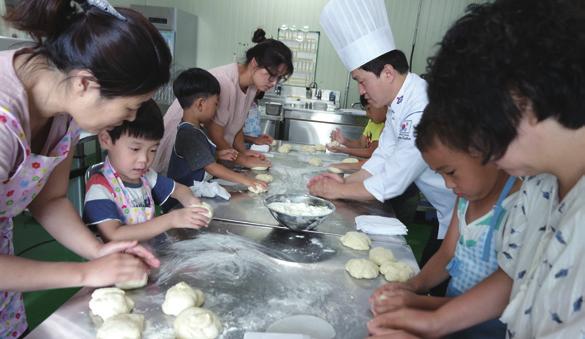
{"points": [[121, 198]]}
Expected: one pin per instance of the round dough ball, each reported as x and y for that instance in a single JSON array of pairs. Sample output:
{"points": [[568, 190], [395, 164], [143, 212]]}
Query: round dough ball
{"points": [[396, 271], [308, 148], [180, 297], [260, 168], [110, 301], [284, 148], [207, 206], [334, 143], [122, 326], [320, 148], [350, 161], [334, 170], [197, 323], [379, 255], [362, 268], [356, 240], [315, 162], [264, 177], [132, 284], [257, 189]]}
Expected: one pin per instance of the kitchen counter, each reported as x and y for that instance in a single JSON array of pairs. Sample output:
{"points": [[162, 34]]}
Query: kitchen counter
{"points": [[252, 271]]}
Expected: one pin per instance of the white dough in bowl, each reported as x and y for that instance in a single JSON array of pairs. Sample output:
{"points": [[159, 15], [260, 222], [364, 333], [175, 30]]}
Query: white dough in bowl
{"points": [[122, 326], [299, 209], [264, 177], [206, 206], [109, 301], [180, 297], [396, 271], [132, 284], [362, 268], [285, 148], [380, 255], [334, 170], [197, 323], [350, 161], [315, 162], [356, 240]]}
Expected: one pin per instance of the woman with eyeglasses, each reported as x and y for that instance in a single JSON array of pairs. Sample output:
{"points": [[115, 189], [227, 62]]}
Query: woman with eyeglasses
{"points": [[266, 64]]}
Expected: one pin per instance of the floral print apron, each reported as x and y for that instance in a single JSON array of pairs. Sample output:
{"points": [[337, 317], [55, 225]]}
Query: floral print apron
{"points": [[17, 193]]}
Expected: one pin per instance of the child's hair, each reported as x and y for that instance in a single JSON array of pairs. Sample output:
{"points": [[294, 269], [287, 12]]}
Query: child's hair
{"points": [[126, 57], [363, 101], [148, 124], [193, 84], [269, 53], [396, 58], [498, 58], [259, 96]]}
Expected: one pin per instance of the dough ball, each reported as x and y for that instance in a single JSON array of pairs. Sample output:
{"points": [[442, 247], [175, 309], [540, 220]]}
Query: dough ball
{"points": [[285, 148], [259, 168], [356, 240], [334, 170], [334, 143], [207, 207], [132, 284], [264, 177], [110, 301], [197, 323], [362, 268], [380, 255], [396, 271], [122, 326], [315, 162], [180, 297], [320, 148], [350, 161], [308, 148], [257, 189]]}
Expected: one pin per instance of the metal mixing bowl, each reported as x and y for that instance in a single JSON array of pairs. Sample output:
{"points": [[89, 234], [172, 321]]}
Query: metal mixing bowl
{"points": [[298, 223]]}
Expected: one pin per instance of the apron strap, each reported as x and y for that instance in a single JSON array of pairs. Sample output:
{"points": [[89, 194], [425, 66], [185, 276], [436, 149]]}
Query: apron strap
{"points": [[497, 211]]}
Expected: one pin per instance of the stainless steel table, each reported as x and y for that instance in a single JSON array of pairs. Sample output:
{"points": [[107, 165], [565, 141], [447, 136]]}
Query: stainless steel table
{"points": [[252, 276], [252, 271]]}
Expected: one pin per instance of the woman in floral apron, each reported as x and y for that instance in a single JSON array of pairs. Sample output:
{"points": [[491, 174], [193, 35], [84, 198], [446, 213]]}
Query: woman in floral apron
{"points": [[74, 76]]}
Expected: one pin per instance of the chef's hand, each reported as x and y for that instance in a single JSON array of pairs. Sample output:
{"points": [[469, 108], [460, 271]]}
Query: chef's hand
{"points": [[336, 135], [404, 321], [189, 217], [264, 139], [254, 154], [321, 176], [326, 188], [391, 299], [227, 154]]}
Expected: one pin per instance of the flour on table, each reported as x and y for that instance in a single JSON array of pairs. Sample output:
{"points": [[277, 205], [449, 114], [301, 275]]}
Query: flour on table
{"points": [[299, 209]]}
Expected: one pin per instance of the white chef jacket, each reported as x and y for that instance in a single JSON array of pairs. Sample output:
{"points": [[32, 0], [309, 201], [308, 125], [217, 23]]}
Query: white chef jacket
{"points": [[396, 162]]}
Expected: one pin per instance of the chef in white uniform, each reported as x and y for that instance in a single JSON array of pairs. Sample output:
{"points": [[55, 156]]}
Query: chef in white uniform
{"points": [[362, 37]]}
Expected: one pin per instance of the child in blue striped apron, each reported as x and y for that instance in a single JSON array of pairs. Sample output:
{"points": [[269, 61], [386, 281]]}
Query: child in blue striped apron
{"points": [[468, 254]]}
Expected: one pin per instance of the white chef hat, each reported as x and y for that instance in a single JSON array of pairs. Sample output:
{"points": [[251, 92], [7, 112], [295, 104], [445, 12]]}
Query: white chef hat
{"points": [[358, 29]]}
